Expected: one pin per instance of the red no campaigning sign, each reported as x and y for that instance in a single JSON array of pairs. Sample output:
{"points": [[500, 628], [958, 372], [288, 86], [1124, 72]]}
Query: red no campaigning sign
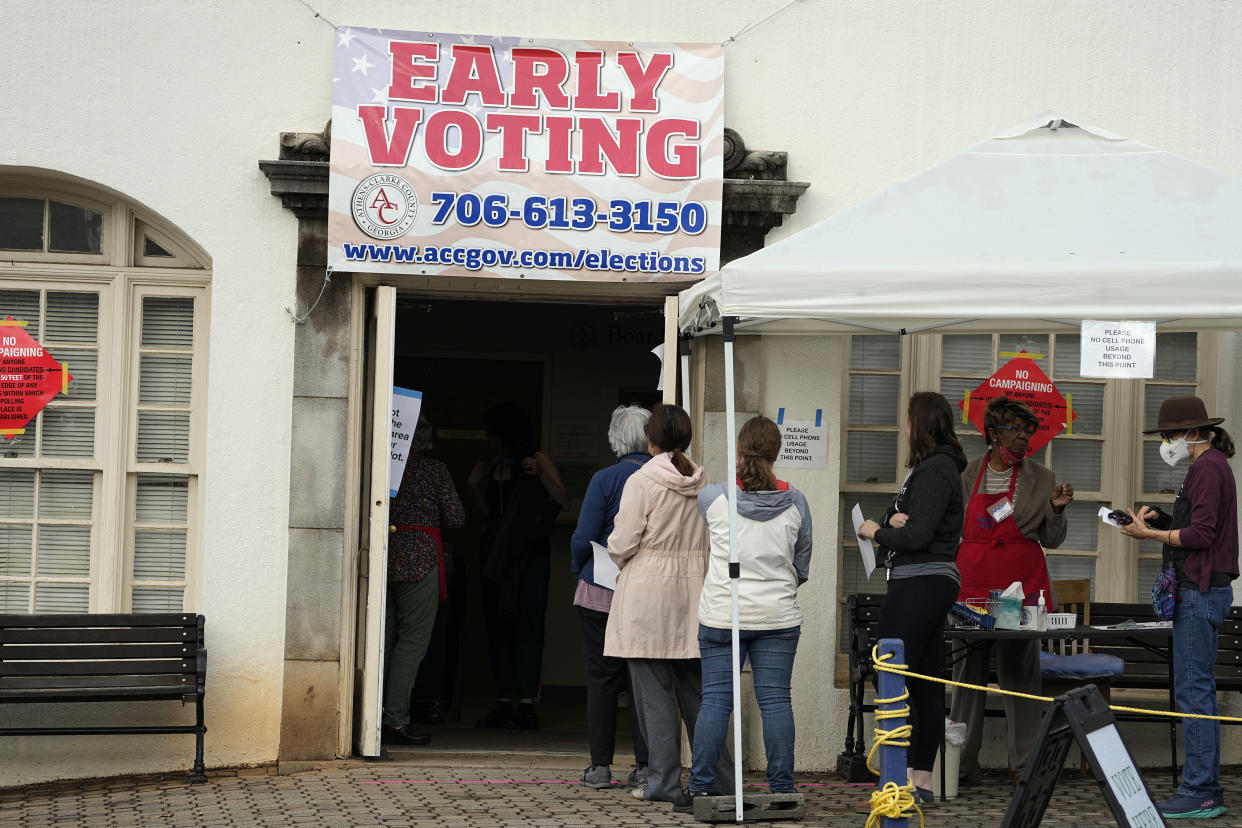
{"points": [[1022, 380], [29, 378]]}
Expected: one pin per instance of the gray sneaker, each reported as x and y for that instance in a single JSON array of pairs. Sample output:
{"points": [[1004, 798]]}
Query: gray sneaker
{"points": [[597, 776], [637, 777]]}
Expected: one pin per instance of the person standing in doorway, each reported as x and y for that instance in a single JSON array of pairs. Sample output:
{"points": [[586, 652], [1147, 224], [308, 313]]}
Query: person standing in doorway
{"points": [[426, 503], [520, 492], [1201, 541], [918, 540], [1015, 510], [606, 677], [659, 541]]}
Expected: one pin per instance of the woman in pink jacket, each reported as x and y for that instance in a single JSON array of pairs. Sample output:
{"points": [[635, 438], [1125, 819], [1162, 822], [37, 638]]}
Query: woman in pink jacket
{"points": [[659, 540]]}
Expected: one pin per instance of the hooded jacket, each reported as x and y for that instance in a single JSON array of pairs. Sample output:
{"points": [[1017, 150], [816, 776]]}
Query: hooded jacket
{"points": [[774, 553], [659, 541], [932, 497]]}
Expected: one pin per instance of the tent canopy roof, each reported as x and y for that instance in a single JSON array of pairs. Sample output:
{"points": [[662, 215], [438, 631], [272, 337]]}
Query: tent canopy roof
{"points": [[1047, 221]]}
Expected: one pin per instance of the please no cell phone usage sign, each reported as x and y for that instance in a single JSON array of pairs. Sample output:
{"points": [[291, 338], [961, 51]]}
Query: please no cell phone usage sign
{"points": [[1117, 349]]}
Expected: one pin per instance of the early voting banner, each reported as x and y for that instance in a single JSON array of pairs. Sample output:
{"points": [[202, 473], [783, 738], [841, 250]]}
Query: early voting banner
{"points": [[525, 158]]}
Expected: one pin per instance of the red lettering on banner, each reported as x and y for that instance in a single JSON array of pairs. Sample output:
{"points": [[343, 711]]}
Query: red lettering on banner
{"points": [[469, 134], [408, 71], [513, 128], [526, 81], [474, 72], [560, 144], [644, 80], [621, 150], [385, 151], [589, 95], [684, 162]]}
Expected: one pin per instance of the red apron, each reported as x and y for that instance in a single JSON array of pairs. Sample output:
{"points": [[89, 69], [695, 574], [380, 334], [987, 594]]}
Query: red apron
{"points": [[434, 532], [994, 555]]}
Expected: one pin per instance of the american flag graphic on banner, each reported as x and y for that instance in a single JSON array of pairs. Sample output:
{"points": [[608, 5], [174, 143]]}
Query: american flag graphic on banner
{"points": [[519, 157]]}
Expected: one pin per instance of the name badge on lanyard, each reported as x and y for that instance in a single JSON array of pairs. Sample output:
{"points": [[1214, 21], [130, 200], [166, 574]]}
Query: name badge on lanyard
{"points": [[1001, 510]]}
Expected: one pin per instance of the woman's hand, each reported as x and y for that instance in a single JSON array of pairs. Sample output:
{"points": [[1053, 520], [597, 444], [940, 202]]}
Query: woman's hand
{"points": [[898, 520], [868, 529], [1062, 496], [1137, 528]]}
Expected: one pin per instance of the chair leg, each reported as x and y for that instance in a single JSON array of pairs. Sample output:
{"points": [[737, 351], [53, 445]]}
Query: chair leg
{"points": [[199, 774]]}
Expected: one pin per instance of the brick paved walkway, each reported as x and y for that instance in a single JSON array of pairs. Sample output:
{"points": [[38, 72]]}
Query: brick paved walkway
{"points": [[402, 793]]}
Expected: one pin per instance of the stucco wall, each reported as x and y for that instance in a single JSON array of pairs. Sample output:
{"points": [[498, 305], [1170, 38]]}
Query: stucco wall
{"points": [[172, 104]]}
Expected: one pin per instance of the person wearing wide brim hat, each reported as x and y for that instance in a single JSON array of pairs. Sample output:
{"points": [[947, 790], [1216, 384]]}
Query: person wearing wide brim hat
{"points": [[1200, 539]]}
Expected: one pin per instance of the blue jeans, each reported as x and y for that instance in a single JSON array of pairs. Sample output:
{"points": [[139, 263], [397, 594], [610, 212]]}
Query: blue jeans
{"points": [[1196, 627], [771, 654]]}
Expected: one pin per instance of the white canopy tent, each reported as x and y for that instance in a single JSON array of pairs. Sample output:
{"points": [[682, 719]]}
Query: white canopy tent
{"points": [[1047, 223]]}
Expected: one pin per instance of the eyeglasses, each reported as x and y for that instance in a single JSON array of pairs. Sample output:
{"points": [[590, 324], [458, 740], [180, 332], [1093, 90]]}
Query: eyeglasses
{"points": [[1028, 430], [1168, 436]]}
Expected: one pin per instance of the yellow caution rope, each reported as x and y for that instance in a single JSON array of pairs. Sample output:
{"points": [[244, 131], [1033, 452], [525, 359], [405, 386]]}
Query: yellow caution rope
{"points": [[893, 801]]}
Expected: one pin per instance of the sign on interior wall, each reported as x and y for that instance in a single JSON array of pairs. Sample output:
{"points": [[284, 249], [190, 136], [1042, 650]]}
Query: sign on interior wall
{"points": [[525, 158], [29, 377]]}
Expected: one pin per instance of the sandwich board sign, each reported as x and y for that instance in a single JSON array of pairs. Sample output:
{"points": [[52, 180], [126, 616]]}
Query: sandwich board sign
{"points": [[1082, 715]]}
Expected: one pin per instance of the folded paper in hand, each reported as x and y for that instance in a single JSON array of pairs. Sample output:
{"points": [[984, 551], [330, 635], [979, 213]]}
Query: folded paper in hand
{"points": [[606, 571]]}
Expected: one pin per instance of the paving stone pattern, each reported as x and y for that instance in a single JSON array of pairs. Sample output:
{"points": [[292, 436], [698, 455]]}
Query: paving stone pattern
{"points": [[402, 794]]}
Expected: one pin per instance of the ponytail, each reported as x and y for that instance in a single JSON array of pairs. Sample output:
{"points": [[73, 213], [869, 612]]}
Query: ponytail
{"points": [[1221, 441], [758, 444], [682, 463], [669, 430]]}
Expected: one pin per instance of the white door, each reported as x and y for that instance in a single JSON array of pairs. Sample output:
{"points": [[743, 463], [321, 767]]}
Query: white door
{"points": [[373, 580]]}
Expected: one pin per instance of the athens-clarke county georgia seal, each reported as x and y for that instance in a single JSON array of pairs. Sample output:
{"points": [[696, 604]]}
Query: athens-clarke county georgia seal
{"points": [[384, 206]]}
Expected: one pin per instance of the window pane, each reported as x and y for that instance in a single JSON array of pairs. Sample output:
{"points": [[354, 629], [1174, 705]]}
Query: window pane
{"points": [[152, 248], [167, 322], [23, 306], [1088, 400], [15, 598], [72, 317], [75, 229], [870, 458], [1148, 569], [1016, 343], [1158, 476], [1077, 462], [162, 498], [151, 599], [1083, 532], [873, 399], [1068, 357], [20, 445], [66, 493], [972, 442], [83, 368], [15, 550], [1176, 357], [164, 379], [21, 224], [1071, 568], [163, 437], [875, 353], [68, 432], [955, 390], [1156, 394], [16, 493], [159, 555], [873, 504], [62, 598], [966, 354], [64, 551]]}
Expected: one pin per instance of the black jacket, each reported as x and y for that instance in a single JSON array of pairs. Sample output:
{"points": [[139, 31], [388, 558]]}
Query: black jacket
{"points": [[932, 497]]}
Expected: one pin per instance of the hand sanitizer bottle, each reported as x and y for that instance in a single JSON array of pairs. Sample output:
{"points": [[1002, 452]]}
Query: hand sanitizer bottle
{"points": [[1041, 614]]}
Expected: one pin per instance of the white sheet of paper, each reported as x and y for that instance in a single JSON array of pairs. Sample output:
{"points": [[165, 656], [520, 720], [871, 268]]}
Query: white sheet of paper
{"points": [[864, 545], [659, 354], [606, 571], [1104, 512]]}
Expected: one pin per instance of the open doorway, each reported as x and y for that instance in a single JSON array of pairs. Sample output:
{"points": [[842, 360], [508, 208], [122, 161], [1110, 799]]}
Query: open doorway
{"points": [[567, 366]]}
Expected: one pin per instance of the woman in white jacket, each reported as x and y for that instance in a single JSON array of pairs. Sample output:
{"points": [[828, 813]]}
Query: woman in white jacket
{"points": [[774, 548]]}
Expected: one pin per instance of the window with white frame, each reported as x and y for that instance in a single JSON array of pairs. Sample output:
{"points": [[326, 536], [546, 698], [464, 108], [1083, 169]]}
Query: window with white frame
{"points": [[98, 493]]}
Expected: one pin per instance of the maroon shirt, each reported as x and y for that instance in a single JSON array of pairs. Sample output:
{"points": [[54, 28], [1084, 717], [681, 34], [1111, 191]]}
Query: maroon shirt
{"points": [[1212, 536]]}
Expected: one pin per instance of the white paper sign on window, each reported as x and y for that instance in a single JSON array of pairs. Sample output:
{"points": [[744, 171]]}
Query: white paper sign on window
{"points": [[406, 405], [1117, 349], [804, 445]]}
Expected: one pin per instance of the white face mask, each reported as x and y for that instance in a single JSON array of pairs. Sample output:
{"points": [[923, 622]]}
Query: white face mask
{"points": [[1176, 451]]}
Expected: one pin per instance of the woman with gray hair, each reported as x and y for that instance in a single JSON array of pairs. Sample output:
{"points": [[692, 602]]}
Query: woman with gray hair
{"points": [[606, 676]]}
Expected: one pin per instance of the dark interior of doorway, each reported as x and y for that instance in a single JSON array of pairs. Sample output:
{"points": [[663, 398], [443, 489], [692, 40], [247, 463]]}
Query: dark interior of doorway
{"points": [[568, 365]]}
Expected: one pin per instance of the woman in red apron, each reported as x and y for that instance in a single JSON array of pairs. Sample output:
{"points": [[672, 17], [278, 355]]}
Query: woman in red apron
{"points": [[1014, 509]]}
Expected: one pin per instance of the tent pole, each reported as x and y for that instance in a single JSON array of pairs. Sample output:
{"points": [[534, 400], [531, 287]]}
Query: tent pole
{"points": [[734, 565], [683, 354]]}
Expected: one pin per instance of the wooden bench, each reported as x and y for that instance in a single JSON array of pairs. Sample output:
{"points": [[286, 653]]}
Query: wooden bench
{"points": [[95, 657], [1146, 667]]}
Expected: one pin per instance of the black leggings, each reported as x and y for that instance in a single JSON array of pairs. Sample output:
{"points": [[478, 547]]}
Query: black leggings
{"points": [[914, 611]]}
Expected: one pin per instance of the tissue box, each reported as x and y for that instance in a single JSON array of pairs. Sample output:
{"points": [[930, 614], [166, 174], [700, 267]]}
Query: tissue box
{"points": [[1008, 612]]}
